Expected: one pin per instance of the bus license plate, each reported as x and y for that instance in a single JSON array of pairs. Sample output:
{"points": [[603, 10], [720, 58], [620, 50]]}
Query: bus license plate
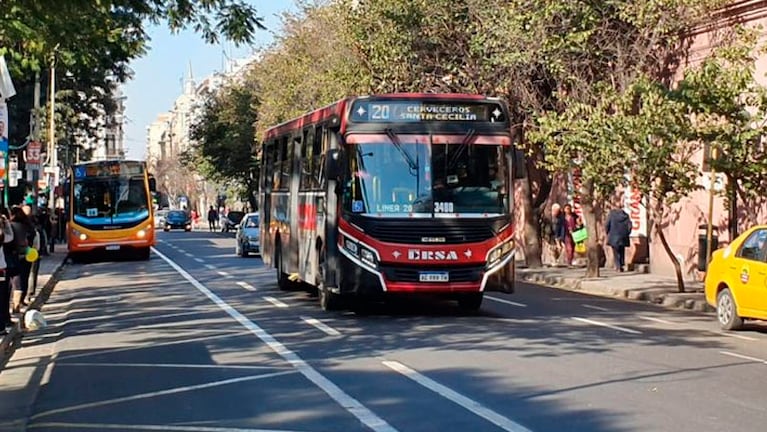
{"points": [[434, 277], [113, 247]]}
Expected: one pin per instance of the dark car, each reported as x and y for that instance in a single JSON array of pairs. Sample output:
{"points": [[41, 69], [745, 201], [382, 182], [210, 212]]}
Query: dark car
{"points": [[232, 220], [178, 219]]}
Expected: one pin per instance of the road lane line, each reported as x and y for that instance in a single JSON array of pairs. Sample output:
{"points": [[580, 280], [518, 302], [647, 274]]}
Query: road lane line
{"points": [[103, 426], [246, 285], [221, 273], [189, 255], [599, 308], [349, 403], [657, 320], [153, 394], [744, 357], [181, 250], [166, 365], [737, 336], [275, 302], [199, 260], [602, 324], [509, 302], [493, 417], [330, 331]]}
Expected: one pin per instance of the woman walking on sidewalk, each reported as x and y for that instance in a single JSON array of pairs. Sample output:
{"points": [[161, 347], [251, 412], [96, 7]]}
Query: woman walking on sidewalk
{"points": [[6, 238], [23, 236], [571, 224]]}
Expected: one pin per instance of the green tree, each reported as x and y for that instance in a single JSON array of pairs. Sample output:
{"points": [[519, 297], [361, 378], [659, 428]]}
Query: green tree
{"points": [[729, 108], [223, 138]]}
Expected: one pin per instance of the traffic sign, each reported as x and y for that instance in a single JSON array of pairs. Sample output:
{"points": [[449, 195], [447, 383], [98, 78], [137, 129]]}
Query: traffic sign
{"points": [[33, 152]]}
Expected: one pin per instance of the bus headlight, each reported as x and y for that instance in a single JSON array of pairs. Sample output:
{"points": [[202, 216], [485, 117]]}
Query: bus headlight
{"points": [[141, 234], [367, 256], [79, 235], [500, 252]]}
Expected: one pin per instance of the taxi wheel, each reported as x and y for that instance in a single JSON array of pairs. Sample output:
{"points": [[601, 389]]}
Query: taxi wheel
{"points": [[726, 311]]}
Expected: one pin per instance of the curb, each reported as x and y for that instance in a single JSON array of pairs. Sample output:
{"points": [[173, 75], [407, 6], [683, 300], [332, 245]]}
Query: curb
{"points": [[684, 301], [12, 340]]}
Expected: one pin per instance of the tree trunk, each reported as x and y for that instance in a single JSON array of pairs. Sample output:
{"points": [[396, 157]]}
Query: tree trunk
{"points": [[531, 227], [732, 192], [590, 221], [669, 252]]}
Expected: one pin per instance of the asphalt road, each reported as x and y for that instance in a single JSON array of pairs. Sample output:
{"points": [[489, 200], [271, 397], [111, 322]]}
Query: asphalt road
{"points": [[198, 339]]}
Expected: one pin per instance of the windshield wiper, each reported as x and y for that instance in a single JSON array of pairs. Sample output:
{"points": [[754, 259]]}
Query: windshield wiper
{"points": [[462, 148], [412, 164]]}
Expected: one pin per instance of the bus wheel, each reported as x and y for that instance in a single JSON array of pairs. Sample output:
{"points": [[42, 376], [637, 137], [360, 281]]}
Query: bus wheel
{"points": [[144, 253], [470, 302]]}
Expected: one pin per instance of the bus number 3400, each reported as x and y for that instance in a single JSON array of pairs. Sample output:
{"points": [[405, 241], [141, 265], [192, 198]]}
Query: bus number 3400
{"points": [[443, 207]]}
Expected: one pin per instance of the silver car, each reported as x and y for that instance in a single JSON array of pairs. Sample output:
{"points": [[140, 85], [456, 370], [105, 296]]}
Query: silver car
{"points": [[248, 236]]}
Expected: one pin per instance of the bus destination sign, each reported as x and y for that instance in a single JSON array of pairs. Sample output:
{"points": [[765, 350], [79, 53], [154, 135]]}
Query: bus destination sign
{"points": [[419, 111], [108, 169]]}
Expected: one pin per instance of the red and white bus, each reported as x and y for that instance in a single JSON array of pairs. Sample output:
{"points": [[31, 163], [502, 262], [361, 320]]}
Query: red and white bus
{"points": [[394, 193]]}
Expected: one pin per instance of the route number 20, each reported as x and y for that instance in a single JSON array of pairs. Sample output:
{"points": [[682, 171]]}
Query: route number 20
{"points": [[379, 112]]}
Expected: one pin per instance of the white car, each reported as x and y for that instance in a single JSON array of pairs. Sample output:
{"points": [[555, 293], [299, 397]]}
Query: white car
{"points": [[159, 218], [248, 236]]}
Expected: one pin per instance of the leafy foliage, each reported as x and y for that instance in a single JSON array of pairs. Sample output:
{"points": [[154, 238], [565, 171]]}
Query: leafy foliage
{"points": [[223, 136]]}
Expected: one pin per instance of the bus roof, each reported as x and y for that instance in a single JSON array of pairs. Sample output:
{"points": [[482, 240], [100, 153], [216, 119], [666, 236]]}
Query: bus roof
{"points": [[337, 110]]}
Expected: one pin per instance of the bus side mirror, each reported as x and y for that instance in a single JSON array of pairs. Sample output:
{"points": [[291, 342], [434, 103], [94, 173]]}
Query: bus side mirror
{"points": [[519, 165], [334, 164], [152, 185]]}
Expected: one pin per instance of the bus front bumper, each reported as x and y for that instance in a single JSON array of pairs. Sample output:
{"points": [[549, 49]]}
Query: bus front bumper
{"points": [[362, 280]]}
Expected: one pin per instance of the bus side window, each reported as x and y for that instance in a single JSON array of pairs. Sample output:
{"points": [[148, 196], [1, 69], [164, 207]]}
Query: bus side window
{"points": [[267, 157], [284, 164], [316, 166], [306, 159]]}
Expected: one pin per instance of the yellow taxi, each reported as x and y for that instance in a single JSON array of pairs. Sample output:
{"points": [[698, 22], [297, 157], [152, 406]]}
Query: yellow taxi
{"points": [[736, 280]]}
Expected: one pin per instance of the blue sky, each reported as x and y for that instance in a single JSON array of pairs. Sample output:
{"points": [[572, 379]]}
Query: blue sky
{"points": [[157, 75]]}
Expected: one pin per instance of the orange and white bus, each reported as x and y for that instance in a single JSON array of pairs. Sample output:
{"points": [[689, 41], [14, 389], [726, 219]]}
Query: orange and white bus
{"points": [[396, 193], [109, 208]]}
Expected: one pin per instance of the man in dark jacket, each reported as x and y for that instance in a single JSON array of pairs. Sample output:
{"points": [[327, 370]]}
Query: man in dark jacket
{"points": [[618, 230]]}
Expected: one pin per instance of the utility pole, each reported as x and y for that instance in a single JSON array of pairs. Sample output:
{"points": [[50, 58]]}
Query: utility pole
{"points": [[52, 150], [711, 192]]}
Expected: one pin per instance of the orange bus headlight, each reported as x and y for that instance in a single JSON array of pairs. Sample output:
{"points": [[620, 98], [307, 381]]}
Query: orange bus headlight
{"points": [[141, 234], [79, 235]]}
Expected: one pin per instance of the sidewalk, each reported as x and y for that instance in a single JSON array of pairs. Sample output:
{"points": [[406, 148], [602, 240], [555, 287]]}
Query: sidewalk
{"points": [[645, 287], [46, 279]]}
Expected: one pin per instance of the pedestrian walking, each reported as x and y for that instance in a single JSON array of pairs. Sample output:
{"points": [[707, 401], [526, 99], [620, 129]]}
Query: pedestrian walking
{"points": [[23, 236], [618, 227], [554, 233], [570, 224], [6, 240], [212, 219]]}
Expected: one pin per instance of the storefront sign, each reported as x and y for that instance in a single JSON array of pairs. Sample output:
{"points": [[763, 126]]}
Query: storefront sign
{"points": [[636, 207]]}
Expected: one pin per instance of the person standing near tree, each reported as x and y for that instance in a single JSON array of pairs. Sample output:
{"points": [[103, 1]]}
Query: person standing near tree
{"points": [[618, 227], [571, 224], [212, 218]]}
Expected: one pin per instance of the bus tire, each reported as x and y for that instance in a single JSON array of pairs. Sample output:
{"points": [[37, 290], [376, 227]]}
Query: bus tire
{"points": [[470, 302], [144, 253], [329, 301]]}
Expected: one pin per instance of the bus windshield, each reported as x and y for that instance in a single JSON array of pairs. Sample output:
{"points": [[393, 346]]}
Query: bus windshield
{"points": [[427, 175], [110, 200]]}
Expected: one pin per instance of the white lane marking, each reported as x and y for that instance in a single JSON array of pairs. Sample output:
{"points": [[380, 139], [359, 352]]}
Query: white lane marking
{"points": [[210, 266], [744, 357], [737, 336], [330, 331], [246, 285], [102, 426], [657, 320], [167, 365], [222, 273], [493, 417], [599, 308], [189, 255], [509, 302], [275, 302], [602, 324], [199, 260], [181, 250], [352, 405], [159, 393]]}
